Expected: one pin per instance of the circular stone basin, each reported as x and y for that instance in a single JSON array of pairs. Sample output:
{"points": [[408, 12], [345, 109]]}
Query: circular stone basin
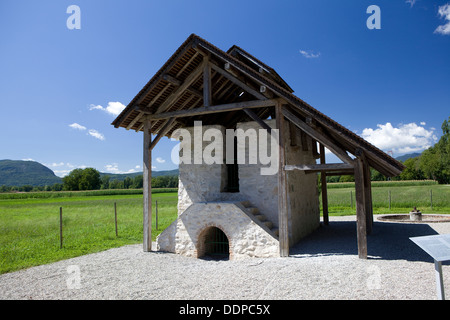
{"points": [[405, 218]]}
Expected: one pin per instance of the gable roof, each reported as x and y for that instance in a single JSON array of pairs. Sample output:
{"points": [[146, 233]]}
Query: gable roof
{"points": [[236, 76]]}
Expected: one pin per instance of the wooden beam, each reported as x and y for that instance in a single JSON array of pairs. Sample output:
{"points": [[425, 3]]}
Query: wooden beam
{"points": [[348, 172], [341, 154], [320, 167], [253, 115], [238, 82], [323, 180], [361, 219], [367, 192], [180, 90], [132, 123], [283, 226], [207, 101], [147, 187], [214, 109], [162, 132]]}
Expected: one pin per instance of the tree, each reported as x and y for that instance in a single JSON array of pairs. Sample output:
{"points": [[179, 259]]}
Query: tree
{"points": [[82, 179], [435, 161], [412, 171], [72, 180]]}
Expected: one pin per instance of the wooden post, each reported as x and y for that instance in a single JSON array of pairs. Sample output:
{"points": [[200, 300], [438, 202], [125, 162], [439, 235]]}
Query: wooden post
{"points": [[368, 196], [323, 180], [206, 83], [60, 229], [282, 188], [351, 199], [115, 217], [147, 187], [361, 229]]}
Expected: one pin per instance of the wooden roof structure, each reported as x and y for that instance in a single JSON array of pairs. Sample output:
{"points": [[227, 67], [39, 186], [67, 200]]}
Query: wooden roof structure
{"points": [[201, 82], [236, 77]]}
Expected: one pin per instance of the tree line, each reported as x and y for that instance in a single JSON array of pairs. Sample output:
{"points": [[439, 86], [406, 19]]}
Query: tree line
{"points": [[90, 179]]}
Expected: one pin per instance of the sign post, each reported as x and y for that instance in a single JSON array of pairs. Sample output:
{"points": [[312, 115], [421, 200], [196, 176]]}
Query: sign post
{"points": [[438, 247]]}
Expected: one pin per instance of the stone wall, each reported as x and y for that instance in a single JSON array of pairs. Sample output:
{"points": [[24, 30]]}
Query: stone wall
{"points": [[246, 238]]}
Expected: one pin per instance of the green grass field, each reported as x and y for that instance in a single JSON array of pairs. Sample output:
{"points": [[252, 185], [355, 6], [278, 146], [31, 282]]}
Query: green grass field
{"points": [[29, 223], [29, 228]]}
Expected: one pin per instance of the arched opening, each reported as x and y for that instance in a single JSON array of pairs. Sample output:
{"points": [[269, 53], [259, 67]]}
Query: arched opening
{"points": [[213, 243]]}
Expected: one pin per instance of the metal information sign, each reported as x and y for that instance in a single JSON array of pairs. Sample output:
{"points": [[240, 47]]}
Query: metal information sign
{"points": [[438, 247]]}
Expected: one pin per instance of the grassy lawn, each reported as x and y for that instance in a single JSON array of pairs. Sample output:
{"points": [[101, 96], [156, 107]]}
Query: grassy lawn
{"points": [[29, 228], [341, 200]]}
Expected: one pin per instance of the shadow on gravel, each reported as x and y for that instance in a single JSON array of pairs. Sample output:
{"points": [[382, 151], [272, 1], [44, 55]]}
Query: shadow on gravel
{"points": [[388, 241]]}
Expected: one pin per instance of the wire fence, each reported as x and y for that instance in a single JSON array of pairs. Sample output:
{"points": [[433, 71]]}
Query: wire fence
{"points": [[423, 197]]}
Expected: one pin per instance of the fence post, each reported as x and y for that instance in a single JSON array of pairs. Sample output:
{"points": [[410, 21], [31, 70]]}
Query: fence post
{"points": [[115, 217], [156, 213], [60, 228]]}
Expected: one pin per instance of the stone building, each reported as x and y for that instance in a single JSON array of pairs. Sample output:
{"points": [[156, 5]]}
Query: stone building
{"points": [[255, 192]]}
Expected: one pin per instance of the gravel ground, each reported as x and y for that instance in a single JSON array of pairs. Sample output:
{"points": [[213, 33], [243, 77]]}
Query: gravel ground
{"points": [[323, 266]]}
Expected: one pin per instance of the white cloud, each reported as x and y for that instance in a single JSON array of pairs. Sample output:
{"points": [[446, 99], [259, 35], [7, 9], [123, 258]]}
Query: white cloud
{"points": [[63, 169], [309, 54], [160, 160], [92, 132], [77, 126], [114, 108], [444, 12], [96, 134], [407, 138], [114, 168]]}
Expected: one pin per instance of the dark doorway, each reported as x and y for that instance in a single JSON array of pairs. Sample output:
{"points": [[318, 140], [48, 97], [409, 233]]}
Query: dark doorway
{"points": [[216, 244]]}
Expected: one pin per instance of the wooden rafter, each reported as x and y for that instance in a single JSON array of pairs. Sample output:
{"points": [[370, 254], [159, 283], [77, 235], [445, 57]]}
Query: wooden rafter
{"points": [[214, 109], [340, 153]]}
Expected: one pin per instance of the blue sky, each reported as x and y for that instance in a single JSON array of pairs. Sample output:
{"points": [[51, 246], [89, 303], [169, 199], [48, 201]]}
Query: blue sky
{"points": [[60, 88]]}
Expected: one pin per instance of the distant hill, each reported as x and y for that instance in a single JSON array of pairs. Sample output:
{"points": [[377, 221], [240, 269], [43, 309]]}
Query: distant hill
{"points": [[21, 173], [405, 157], [122, 176]]}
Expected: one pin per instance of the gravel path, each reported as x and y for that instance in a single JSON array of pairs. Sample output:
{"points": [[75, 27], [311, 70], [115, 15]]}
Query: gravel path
{"points": [[323, 266]]}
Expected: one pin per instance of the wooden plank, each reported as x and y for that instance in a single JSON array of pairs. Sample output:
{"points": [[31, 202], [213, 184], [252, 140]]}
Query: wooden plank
{"points": [[207, 101], [323, 180], [162, 132], [214, 109], [348, 172], [238, 82], [147, 187], [320, 167], [188, 63], [341, 154], [293, 134], [180, 90], [361, 222], [282, 186], [368, 196], [253, 115]]}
